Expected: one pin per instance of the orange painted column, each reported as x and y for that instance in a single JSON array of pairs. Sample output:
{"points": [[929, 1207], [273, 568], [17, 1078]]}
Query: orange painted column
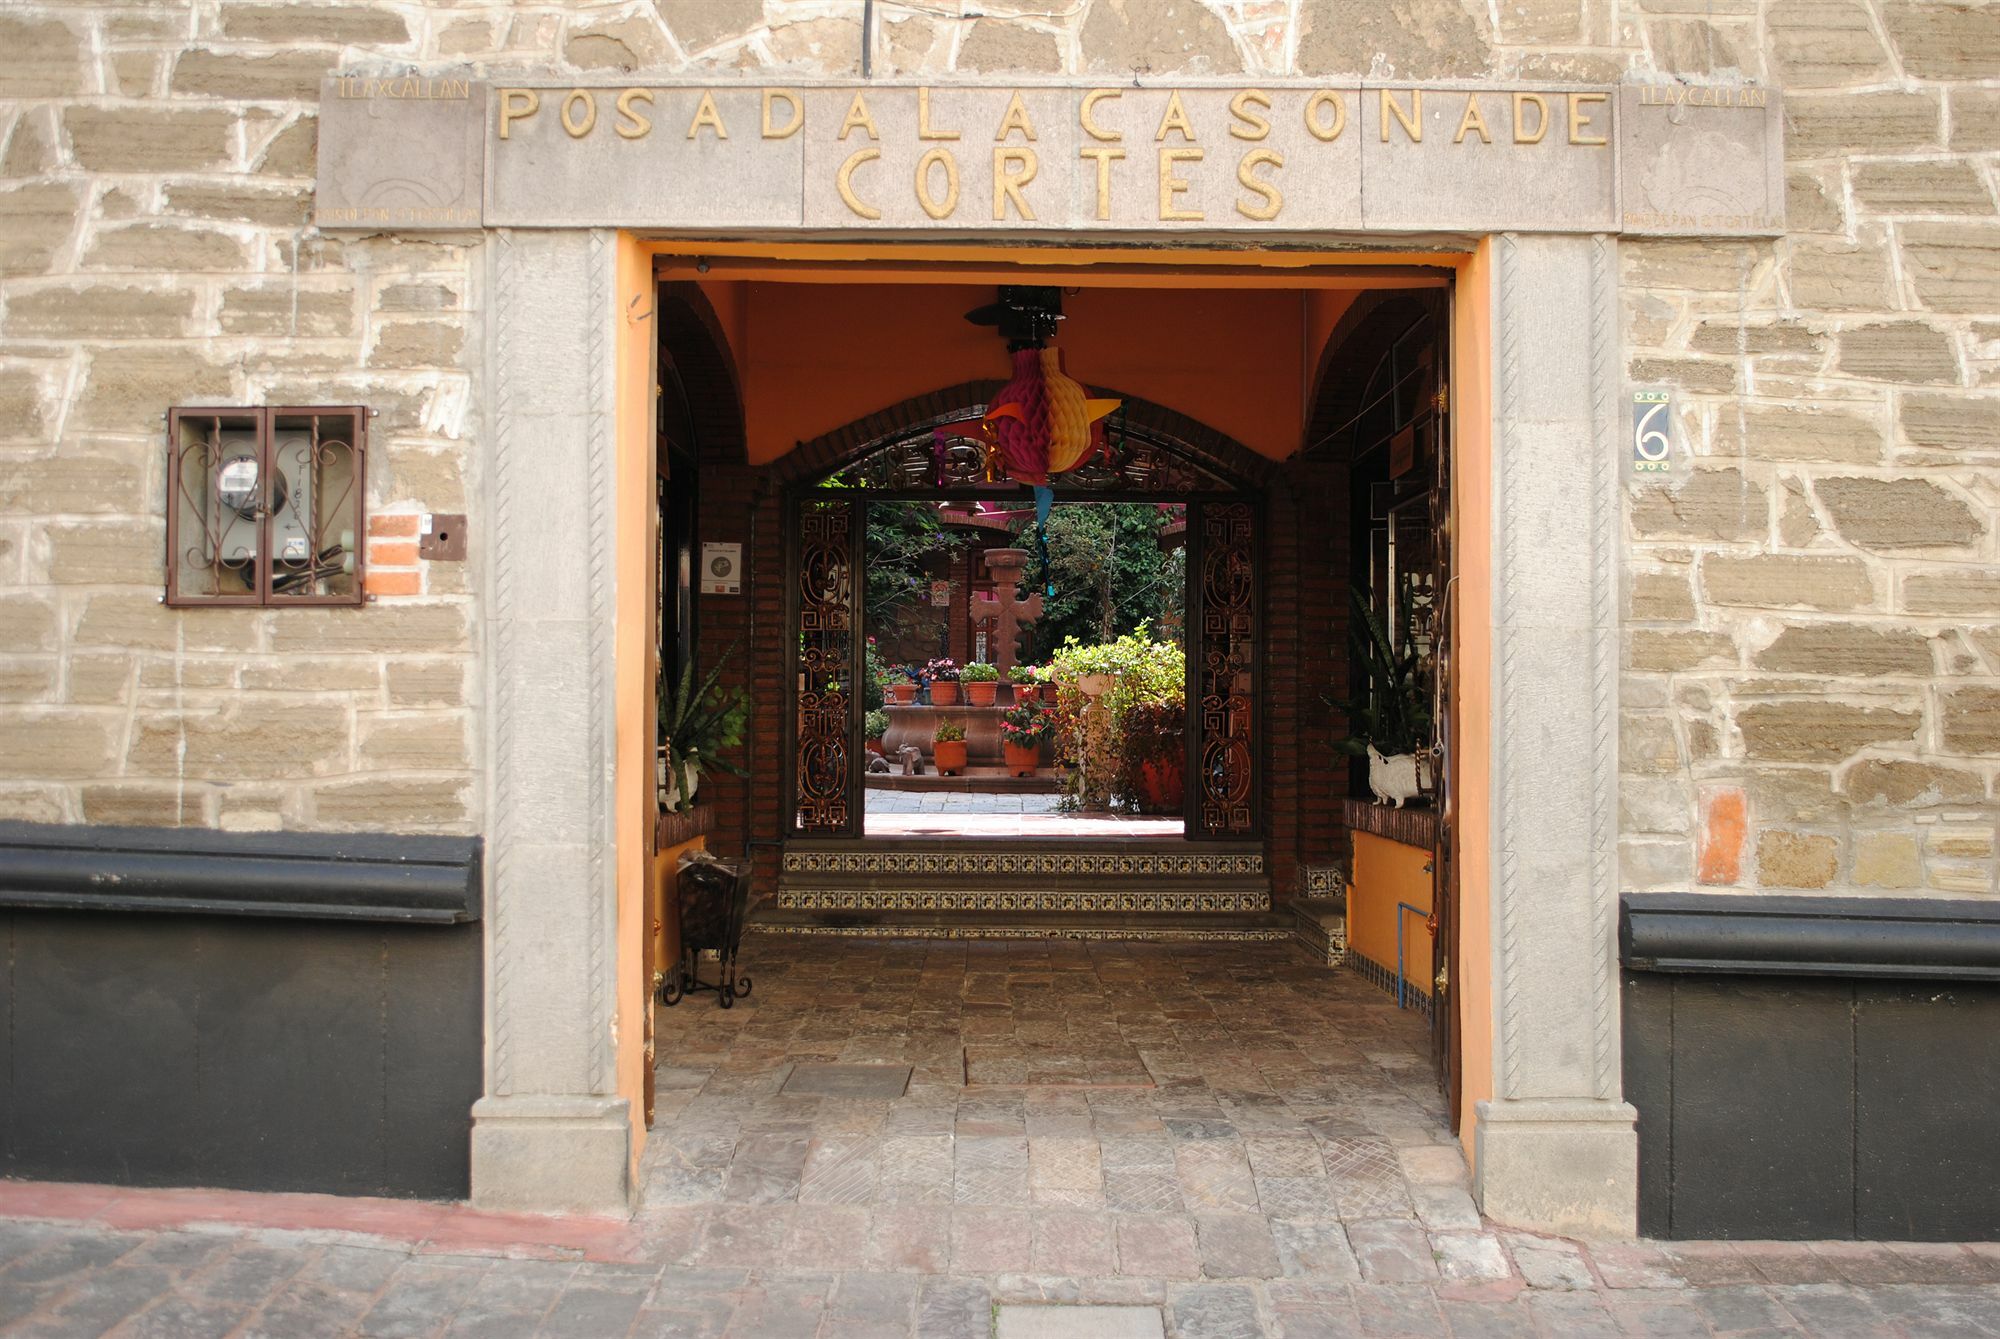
{"points": [[1472, 554]]}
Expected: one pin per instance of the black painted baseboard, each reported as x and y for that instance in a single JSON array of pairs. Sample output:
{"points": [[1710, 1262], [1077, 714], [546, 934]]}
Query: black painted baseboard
{"points": [[274, 1012], [1814, 1067]]}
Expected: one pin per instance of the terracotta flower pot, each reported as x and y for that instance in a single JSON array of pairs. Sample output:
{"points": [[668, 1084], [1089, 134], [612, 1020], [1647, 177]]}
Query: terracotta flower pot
{"points": [[944, 692], [902, 694], [949, 755], [1022, 759], [981, 694], [875, 746], [1049, 692]]}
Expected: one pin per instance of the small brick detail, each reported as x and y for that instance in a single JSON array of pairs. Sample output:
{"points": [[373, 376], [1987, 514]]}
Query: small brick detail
{"points": [[394, 527], [1724, 824], [399, 554], [394, 583]]}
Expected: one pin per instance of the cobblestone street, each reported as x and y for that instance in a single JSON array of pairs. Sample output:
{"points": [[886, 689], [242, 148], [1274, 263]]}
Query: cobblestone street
{"points": [[1226, 1134]]}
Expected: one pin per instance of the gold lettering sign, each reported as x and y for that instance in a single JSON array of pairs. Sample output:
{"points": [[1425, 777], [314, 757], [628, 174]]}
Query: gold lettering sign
{"points": [[1088, 121], [798, 113], [1173, 186], [937, 209], [635, 123], [1104, 157], [1013, 168], [1272, 200], [705, 114], [843, 182]]}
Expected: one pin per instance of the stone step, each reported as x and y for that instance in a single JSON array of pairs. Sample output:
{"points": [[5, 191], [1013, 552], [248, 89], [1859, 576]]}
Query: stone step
{"points": [[1023, 895], [1158, 926], [1056, 862], [1320, 925]]}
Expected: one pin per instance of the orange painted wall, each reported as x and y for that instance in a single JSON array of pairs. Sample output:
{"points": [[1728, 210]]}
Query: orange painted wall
{"points": [[1387, 873], [815, 357], [1472, 522]]}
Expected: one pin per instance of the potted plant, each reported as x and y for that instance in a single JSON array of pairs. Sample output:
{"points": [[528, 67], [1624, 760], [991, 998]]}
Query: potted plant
{"points": [[942, 675], [697, 724], [1153, 735], [901, 682], [1389, 721], [1022, 731], [948, 748], [982, 683], [875, 724], [1045, 675]]}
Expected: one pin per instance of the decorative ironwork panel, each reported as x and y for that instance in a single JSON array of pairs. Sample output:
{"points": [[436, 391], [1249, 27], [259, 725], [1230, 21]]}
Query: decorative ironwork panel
{"points": [[1225, 671], [825, 748], [918, 461]]}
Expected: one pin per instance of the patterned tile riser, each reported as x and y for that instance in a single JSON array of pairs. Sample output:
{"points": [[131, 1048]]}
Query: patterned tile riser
{"points": [[1164, 935], [949, 863], [1030, 900]]}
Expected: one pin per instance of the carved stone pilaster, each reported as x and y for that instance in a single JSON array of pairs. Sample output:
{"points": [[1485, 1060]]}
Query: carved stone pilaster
{"points": [[550, 1133], [1557, 1147]]}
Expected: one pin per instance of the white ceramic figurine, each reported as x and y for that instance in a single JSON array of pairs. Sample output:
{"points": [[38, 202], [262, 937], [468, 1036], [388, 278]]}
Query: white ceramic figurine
{"points": [[1392, 779]]}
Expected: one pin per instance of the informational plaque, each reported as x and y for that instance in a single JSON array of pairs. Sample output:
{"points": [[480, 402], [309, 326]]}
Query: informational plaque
{"points": [[721, 569]]}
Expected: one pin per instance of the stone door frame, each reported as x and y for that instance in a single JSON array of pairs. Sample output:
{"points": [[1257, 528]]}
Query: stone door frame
{"points": [[1554, 1146]]}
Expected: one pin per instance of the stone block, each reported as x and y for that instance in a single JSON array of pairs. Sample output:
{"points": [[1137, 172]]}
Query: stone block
{"points": [[44, 58], [165, 247], [426, 683], [27, 623], [1659, 597], [23, 406], [293, 151], [105, 553], [416, 344], [1447, 40], [28, 680], [1975, 120], [1813, 205], [404, 629], [1898, 513], [57, 744], [100, 311], [427, 743], [136, 74], [1970, 719], [1730, 337], [254, 740], [141, 621], [31, 148], [1796, 859], [1954, 267], [1651, 862], [289, 76], [1947, 422], [1911, 352], [32, 803], [435, 480], [330, 25], [634, 43], [700, 24], [1966, 590], [287, 311], [36, 224], [1899, 784], [1646, 745], [287, 208], [1957, 42], [1701, 375], [143, 804], [1834, 125], [1707, 504], [1846, 649], [74, 480], [1654, 805], [1824, 43], [1953, 187], [130, 388], [1689, 47], [1887, 860], [1800, 432], [1165, 36], [1839, 277], [1004, 46], [1673, 652], [1821, 730], [347, 674], [149, 139], [394, 804]]}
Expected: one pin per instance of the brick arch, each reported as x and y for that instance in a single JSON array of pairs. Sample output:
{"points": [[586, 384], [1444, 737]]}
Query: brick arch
{"points": [[691, 336], [1190, 438], [1358, 341]]}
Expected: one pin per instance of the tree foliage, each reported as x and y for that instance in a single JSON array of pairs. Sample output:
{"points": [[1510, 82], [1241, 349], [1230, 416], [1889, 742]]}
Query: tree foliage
{"points": [[1109, 575]]}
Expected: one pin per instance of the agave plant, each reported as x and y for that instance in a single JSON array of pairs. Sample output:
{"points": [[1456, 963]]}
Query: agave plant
{"points": [[1393, 709], [697, 726]]}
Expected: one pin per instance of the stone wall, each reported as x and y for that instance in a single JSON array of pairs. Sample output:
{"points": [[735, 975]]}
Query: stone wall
{"points": [[1813, 602]]}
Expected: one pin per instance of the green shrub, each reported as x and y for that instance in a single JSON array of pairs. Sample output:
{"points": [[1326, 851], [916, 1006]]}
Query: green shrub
{"points": [[948, 732], [979, 672], [876, 723]]}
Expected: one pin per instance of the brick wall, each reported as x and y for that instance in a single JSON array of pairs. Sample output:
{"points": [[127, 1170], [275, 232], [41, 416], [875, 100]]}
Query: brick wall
{"points": [[1812, 695]]}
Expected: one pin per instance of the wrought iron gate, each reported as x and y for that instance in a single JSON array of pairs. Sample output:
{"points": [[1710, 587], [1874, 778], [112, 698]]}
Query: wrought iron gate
{"points": [[1222, 691], [825, 621]]}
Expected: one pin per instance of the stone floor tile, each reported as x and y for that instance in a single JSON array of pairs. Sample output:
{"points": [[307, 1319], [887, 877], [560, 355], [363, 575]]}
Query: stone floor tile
{"points": [[108, 1296], [1711, 1263], [1572, 1315], [1315, 1250], [1397, 1312], [306, 1310], [1214, 1311], [177, 1317], [1296, 1197], [954, 1308], [1030, 1321], [1142, 1190], [828, 1238], [1488, 1320], [1550, 1266], [1742, 1307], [1072, 1242], [990, 1170], [873, 1306], [1392, 1251], [911, 1239], [1066, 1172], [1215, 1175], [1657, 1317], [1157, 1246], [746, 1237], [585, 1312], [780, 1308], [1463, 1257], [991, 1241], [1236, 1246], [421, 1296], [1445, 1208], [841, 1170], [1635, 1264], [1433, 1165]]}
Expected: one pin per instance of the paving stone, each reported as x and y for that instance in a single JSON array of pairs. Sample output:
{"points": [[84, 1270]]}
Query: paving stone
{"points": [[990, 1241], [1487, 1320], [1071, 1242], [1315, 1250], [1078, 1322], [1463, 1258], [1550, 1267], [594, 1313], [1236, 1246], [1392, 1251], [1214, 1311], [954, 1308]]}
